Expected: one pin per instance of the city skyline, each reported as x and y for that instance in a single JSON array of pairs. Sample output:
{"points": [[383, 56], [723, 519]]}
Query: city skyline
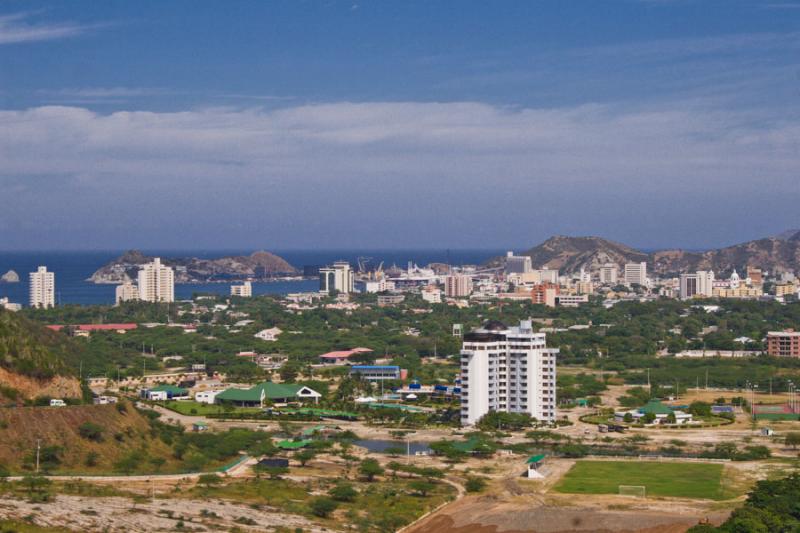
{"points": [[357, 125]]}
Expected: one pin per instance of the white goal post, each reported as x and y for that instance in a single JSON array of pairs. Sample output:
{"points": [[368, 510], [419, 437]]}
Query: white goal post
{"points": [[638, 491]]}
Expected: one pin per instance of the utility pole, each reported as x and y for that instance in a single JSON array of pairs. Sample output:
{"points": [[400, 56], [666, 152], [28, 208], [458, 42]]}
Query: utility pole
{"points": [[38, 449], [706, 378]]}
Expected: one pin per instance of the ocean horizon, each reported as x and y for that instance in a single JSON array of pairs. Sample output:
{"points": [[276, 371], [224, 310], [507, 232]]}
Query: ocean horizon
{"points": [[73, 268]]}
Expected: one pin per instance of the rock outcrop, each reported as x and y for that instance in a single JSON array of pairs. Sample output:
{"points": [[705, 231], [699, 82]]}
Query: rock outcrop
{"points": [[9, 277], [259, 265]]}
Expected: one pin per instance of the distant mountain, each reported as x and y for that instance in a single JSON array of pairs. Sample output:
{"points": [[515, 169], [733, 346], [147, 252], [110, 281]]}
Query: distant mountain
{"points": [[788, 234], [259, 265], [570, 254]]}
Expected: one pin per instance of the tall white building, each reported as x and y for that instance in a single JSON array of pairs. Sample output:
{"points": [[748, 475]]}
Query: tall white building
{"points": [[245, 290], [380, 285], [517, 264], [636, 273], [42, 288], [507, 369], [608, 274], [126, 292], [340, 278], [156, 282], [700, 284], [457, 286], [546, 275]]}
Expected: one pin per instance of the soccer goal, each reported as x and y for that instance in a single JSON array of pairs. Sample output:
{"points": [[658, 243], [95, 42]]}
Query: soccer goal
{"points": [[632, 490]]}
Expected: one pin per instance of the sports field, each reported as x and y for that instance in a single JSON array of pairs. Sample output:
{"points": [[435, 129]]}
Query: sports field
{"points": [[680, 480]]}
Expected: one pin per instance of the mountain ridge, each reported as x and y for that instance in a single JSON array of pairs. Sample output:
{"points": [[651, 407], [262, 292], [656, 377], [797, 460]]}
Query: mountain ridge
{"points": [[569, 254]]}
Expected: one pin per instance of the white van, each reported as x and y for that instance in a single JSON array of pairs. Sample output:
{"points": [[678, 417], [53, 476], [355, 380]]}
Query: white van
{"points": [[57, 403]]}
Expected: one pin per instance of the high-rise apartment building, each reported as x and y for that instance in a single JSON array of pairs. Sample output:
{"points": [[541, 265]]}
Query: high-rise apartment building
{"points": [[507, 369], [608, 274], [699, 284], [126, 292], [457, 286], [42, 288], [245, 290], [635, 273], [156, 282], [517, 264], [337, 278]]}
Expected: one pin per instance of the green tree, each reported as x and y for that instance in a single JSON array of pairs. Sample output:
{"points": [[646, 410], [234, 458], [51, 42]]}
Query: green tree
{"points": [[792, 439], [475, 484], [421, 487], [370, 468], [304, 456], [343, 492]]}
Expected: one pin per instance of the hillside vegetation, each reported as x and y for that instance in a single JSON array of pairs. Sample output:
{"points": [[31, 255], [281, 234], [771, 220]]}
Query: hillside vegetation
{"points": [[78, 439], [30, 349]]}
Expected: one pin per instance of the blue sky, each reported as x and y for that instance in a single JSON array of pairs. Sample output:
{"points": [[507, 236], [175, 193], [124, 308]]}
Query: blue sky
{"points": [[397, 124]]}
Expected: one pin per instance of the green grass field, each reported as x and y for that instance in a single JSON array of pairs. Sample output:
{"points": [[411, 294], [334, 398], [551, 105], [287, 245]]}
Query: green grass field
{"points": [[680, 480]]}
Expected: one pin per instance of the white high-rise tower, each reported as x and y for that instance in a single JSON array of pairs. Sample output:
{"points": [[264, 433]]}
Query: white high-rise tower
{"points": [[156, 282], [508, 369], [42, 288], [338, 278]]}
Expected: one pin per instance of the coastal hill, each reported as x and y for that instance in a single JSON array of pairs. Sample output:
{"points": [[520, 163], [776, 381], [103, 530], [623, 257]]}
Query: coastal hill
{"points": [[35, 361], [259, 265], [570, 254]]}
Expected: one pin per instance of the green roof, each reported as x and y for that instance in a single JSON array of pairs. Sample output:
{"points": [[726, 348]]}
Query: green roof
{"points": [[240, 395], [312, 430], [411, 408], [275, 391], [169, 389], [655, 407], [293, 444], [536, 459], [272, 391]]}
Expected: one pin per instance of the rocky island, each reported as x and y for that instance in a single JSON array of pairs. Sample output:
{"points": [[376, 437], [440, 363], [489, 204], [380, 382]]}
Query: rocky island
{"points": [[257, 266], [9, 277]]}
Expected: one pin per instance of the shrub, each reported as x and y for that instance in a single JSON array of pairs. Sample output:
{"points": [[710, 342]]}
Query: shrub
{"points": [[91, 431], [475, 484], [91, 459], [322, 506]]}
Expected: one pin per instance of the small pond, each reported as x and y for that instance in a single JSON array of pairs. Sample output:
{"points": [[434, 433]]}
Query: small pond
{"points": [[380, 446]]}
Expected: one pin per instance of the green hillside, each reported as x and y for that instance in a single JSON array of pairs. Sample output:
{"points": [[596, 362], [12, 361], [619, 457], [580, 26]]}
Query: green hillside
{"points": [[32, 350]]}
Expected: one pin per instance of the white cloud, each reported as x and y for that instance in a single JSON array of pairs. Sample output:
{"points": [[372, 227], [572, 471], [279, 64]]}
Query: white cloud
{"points": [[315, 164], [17, 28]]}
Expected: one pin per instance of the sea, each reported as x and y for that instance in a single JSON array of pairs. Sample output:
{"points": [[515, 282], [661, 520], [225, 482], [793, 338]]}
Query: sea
{"points": [[72, 269]]}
